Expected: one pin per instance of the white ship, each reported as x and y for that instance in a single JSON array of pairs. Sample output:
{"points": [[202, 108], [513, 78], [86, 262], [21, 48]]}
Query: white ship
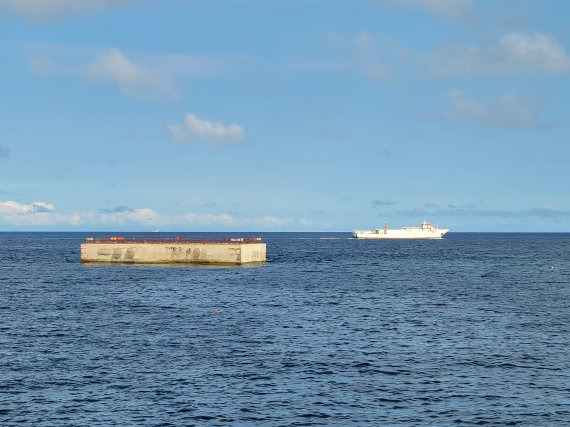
{"points": [[425, 231]]}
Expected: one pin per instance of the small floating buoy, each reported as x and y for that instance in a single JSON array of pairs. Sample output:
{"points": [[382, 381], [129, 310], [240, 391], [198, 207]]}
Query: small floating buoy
{"points": [[217, 311]]}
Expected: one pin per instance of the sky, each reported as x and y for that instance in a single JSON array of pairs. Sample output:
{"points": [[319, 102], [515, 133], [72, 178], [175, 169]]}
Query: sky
{"points": [[284, 115]]}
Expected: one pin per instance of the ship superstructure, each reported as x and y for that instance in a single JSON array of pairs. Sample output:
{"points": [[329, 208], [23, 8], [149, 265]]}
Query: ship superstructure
{"points": [[425, 231]]}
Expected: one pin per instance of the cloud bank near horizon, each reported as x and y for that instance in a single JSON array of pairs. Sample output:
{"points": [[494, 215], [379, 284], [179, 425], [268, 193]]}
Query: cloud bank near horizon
{"points": [[43, 214]]}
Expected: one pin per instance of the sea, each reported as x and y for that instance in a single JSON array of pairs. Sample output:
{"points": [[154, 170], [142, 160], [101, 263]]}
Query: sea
{"points": [[471, 329]]}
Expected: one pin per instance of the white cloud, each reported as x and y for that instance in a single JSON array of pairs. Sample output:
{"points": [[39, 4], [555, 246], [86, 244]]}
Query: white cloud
{"points": [[270, 222], [506, 110], [224, 220], [382, 58], [538, 51], [50, 9], [75, 219], [123, 217], [36, 213], [208, 219], [145, 216], [512, 53], [42, 213], [14, 208], [133, 79], [197, 129]]}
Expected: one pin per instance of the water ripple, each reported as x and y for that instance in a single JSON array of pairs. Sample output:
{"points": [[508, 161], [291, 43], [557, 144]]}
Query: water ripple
{"points": [[472, 329]]}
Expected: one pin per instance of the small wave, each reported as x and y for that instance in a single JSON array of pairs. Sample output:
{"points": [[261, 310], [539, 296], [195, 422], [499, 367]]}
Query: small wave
{"points": [[325, 238]]}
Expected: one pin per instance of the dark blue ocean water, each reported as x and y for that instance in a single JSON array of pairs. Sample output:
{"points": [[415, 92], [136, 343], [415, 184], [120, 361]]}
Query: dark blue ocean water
{"points": [[471, 329]]}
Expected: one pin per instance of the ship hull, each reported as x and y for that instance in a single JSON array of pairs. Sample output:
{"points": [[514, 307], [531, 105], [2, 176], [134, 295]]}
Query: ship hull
{"points": [[400, 234]]}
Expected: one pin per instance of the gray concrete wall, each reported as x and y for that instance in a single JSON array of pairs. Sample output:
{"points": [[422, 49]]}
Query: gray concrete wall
{"points": [[163, 253]]}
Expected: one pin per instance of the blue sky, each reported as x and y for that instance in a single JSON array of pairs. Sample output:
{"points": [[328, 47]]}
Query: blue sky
{"points": [[268, 115]]}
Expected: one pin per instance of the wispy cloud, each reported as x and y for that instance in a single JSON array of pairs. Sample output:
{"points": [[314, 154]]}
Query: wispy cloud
{"points": [[132, 79], [509, 110], [4, 152], [515, 53], [544, 211], [197, 130], [479, 210], [269, 222], [377, 71], [136, 74], [382, 203], [364, 54], [191, 65], [361, 42], [272, 222], [512, 53], [120, 216], [208, 219], [449, 9], [118, 209], [41, 10]]}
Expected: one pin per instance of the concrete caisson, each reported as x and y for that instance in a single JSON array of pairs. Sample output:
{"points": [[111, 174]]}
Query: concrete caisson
{"points": [[236, 253]]}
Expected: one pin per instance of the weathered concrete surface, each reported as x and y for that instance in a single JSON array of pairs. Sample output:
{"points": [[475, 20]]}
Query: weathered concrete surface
{"points": [[164, 253]]}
